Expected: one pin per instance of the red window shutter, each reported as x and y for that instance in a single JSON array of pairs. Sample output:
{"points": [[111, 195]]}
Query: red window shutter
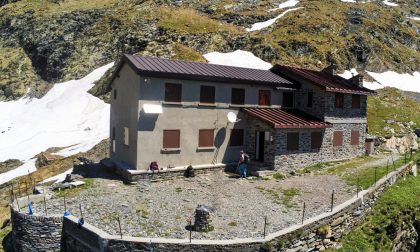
{"points": [[264, 98], [206, 138], [355, 135], [355, 101], [338, 138], [292, 141], [236, 137], [316, 140], [238, 96], [173, 92], [339, 100], [171, 139]]}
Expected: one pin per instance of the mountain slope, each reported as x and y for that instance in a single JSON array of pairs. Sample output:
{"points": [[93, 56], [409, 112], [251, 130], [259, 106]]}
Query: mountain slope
{"points": [[66, 39]]}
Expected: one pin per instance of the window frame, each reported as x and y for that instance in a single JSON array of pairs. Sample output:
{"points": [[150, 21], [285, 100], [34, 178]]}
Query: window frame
{"points": [[241, 99], [356, 103], [355, 141], [126, 136], [174, 99], [262, 92], [200, 145], [211, 91], [339, 100], [292, 145], [310, 99], [340, 134], [316, 145], [292, 99], [242, 141], [115, 93], [165, 145]]}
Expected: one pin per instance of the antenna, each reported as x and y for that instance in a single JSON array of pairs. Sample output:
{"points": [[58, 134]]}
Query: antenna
{"points": [[232, 117]]}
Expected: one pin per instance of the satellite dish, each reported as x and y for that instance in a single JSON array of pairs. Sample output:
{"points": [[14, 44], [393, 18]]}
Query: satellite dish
{"points": [[232, 117]]}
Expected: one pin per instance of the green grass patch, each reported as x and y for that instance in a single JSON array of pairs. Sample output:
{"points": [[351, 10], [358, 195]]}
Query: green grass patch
{"points": [[398, 205], [366, 176], [337, 167], [188, 21], [279, 176], [178, 189], [3, 233], [71, 192], [233, 224], [280, 196]]}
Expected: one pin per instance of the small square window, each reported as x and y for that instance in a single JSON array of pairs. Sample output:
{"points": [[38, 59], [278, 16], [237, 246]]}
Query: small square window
{"points": [[171, 139], [238, 96], [206, 138], [355, 101], [126, 135], [207, 94], [236, 137], [338, 138], [292, 141], [288, 99], [316, 140], [115, 94], [339, 100], [173, 92]]}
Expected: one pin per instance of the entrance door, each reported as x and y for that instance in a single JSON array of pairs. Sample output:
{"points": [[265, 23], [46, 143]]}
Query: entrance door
{"points": [[259, 146]]}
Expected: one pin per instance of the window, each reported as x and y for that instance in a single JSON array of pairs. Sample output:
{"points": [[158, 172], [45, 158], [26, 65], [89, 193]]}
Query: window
{"points": [[207, 94], [292, 141], [115, 94], [316, 140], [339, 100], [126, 135], [338, 138], [355, 101], [264, 98], [113, 133], [288, 99], [238, 96], [173, 92], [310, 97], [205, 138], [171, 139], [236, 137], [355, 134]]}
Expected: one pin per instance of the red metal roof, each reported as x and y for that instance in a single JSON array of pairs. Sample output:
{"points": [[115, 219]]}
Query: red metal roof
{"points": [[186, 70], [331, 83], [286, 118]]}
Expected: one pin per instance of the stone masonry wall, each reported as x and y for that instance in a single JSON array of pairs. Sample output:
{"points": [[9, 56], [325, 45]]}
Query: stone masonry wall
{"points": [[35, 233], [318, 100], [287, 161], [346, 113], [255, 125]]}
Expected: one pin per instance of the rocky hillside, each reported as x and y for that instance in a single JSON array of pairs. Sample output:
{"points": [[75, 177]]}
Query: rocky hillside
{"points": [[45, 41]]}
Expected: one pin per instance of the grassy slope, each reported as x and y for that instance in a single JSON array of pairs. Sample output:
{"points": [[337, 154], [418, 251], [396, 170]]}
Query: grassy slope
{"points": [[393, 208], [393, 104]]}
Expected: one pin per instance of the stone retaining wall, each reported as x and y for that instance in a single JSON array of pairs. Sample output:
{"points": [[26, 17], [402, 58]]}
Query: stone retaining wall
{"points": [[342, 219], [35, 233]]}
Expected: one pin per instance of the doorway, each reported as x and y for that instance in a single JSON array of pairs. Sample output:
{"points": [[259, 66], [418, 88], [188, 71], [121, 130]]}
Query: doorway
{"points": [[259, 146]]}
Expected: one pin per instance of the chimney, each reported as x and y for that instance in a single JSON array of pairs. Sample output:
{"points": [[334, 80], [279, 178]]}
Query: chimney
{"points": [[331, 69], [357, 80]]}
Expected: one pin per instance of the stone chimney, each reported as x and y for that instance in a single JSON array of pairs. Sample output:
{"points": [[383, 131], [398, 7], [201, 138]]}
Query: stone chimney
{"points": [[331, 69], [357, 80]]}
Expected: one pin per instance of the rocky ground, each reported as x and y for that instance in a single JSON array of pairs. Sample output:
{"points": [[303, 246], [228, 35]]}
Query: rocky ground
{"points": [[161, 209]]}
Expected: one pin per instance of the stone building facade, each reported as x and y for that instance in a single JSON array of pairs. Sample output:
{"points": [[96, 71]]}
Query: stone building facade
{"points": [[175, 113]]}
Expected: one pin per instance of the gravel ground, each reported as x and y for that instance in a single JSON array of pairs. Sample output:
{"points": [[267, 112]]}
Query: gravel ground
{"points": [[161, 209]]}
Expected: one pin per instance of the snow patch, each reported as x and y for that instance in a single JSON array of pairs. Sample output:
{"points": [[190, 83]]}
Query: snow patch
{"points": [[405, 82], [261, 25], [58, 178], [414, 18], [237, 58], [387, 2], [66, 116], [348, 1], [287, 4]]}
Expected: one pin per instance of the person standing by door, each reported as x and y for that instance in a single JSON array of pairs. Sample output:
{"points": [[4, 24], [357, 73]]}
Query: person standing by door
{"points": [[243, 164]]}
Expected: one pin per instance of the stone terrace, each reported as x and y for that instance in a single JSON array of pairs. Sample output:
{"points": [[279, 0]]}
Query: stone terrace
{"points": [[161, 209]]}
